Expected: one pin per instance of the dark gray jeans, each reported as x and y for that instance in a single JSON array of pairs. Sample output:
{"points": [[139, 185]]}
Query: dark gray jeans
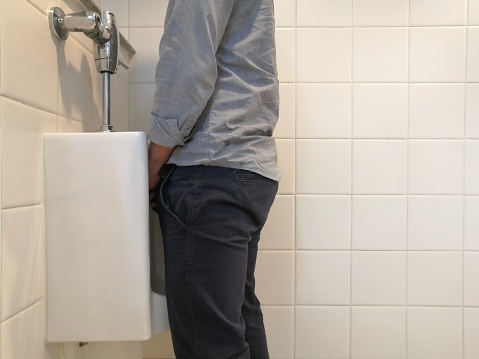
{"points": [[211, 219]]}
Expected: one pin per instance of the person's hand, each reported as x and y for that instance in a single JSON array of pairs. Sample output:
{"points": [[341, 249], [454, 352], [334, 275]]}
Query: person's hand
{"points": [[157, 157]]}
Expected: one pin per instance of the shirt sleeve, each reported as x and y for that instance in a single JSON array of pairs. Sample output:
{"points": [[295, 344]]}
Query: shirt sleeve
{"points": [[187, 71]]}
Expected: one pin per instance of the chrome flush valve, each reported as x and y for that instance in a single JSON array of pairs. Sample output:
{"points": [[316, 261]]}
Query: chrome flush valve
{"points": [[104, 32]]}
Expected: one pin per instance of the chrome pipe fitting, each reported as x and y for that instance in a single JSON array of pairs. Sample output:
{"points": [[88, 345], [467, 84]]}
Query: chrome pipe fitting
{"points": [[88, 22]]}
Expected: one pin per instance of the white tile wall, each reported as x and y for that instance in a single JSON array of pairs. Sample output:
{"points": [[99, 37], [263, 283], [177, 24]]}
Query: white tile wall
{"points": [[379, 167], [437, 54], [472, 111], [323, 222], [324, 13], [437, 12], [380, 13], [23, 282], [380, 54], [471, 224], [324, 111], [323, 55], [471, 278], [379, 223], [435, 222], [436, 111], [322, 332], [378, 332], [323, 278], [471, 327], [380, 110], [378, 278], [434, 333], [324, 167], [435, 278], [436, 167]]}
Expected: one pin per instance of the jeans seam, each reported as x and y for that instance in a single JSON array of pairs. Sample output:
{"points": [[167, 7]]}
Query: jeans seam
{"points": [[188, 280]]}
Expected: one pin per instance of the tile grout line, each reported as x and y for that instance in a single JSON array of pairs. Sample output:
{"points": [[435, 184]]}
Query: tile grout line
{"points": [[295, 261], [464, 187], [351, 212], [406, 343]]}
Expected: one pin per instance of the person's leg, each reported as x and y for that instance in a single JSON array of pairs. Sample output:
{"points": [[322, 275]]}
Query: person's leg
{"points": [[208, 215], [251, 310]]}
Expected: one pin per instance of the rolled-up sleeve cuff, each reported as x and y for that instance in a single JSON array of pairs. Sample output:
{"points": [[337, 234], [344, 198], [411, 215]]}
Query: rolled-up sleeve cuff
{"points": [[165, 132]]}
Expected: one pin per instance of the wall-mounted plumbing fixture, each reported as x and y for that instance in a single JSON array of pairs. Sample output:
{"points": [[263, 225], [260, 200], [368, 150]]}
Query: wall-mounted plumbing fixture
{"points": [[104, 32]]}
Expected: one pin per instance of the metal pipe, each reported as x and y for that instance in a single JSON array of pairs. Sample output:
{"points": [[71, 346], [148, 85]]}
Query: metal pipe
{"points": [[106, 126]]}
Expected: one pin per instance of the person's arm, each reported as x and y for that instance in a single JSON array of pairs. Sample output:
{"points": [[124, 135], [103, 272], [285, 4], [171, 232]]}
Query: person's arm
{"points": [[157, 157], [187, 70]]}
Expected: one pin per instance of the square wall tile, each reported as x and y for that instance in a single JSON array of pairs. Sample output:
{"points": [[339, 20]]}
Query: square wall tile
{"points": [[472, 111], [43, 5], [23, 259], [435, 278], [473, 12], [324, 55], [119, 8], [275, 277], [140, 100], [279, 324], [324, 111], [23, 81], [472, 71], [471, 278], [119, 105], [67, 125], [435, 222], [378, 332], [324, 167], [434, 333], [278, 233], [286, 54], [380, 167], [380, 111], [324, 13], [472, 167], [436, 167], [147, 13], [322, 332], [22, 152], [323, 222], [379, 222], [285, 13], [285, 128], [380, 54], [436, 111], [471, 224], [437, 54], [378, 278], [286, 164], [23, 336], [438, 12], [78, 78], [146, 42], [322, 278], [471, 333], [380, 13]]}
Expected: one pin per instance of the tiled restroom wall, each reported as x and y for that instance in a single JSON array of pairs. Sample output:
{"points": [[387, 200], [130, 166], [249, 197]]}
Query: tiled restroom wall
{"points": [[371, 249], [44, 87]]}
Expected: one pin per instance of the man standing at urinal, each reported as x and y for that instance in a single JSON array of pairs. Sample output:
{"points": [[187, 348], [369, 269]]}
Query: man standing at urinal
{"points": [[215, 109]]}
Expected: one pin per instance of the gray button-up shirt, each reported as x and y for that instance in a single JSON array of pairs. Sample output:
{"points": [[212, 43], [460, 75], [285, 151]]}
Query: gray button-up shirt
{"points": [[217, 87]]}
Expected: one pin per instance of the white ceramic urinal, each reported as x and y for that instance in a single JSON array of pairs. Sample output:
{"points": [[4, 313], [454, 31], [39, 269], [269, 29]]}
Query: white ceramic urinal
{"points": [[98, 269]]}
